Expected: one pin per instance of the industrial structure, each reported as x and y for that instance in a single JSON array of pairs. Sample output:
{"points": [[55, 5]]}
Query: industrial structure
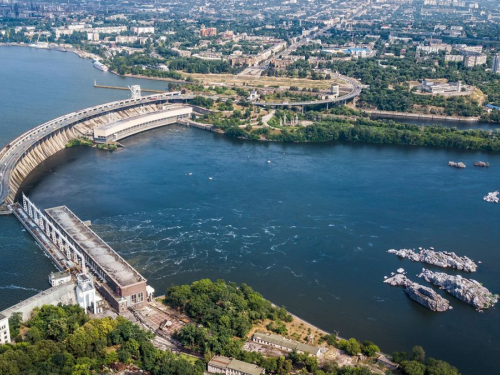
{"points": [[115, 131], [84, 259], [25, 153]]}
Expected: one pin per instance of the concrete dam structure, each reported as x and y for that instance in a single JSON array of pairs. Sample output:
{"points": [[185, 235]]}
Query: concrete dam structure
{"points": [[120, 119]]}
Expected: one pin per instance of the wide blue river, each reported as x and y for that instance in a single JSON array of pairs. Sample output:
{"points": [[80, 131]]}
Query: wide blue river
{"points": [[309, 229]]}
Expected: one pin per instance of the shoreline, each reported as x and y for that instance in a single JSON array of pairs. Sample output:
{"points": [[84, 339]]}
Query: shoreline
{"points": [[418, 116]]}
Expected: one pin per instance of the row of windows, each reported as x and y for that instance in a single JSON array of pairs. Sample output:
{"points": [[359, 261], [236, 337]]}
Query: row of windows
{"points": [[141, 125], [137, 298]]}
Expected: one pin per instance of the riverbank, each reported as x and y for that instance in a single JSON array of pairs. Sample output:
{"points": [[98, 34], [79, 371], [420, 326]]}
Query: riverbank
{"points": [[362, 130], [418, 116]]}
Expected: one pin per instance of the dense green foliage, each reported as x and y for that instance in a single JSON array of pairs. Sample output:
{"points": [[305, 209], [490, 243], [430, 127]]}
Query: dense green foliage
{"points": [[63, 340], [389, 132], [194, 65], [416, 364], [226, 311], [79, 142]]}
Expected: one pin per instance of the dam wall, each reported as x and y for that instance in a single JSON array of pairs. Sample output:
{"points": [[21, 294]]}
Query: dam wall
{"points": [[20, 157], [64, 294], [41, 151]]}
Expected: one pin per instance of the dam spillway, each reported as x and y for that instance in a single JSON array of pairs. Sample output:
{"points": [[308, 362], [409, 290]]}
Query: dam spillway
{"points": [[20, 157]]}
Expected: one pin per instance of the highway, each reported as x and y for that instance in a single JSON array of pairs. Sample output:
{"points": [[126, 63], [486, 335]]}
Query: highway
{"points": [[12, 153], [356, 90]]}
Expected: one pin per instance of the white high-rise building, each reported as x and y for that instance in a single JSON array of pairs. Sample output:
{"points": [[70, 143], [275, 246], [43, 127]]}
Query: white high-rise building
{"points": [[495, 67], [4, 330]]}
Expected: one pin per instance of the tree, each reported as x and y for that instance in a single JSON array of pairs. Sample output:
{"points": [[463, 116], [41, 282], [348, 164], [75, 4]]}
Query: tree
{"points": [[418, 354], [15, 321], [413, 368], [437, 367], [331, 339], [351, 346], [369, 348]]}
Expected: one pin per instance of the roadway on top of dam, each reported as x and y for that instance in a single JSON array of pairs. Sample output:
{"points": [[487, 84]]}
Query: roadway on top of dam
{"points": [[14, 151]]}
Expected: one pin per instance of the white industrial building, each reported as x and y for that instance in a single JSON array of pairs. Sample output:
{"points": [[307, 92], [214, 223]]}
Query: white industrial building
{"points": [[85, 293], [124, 128]]}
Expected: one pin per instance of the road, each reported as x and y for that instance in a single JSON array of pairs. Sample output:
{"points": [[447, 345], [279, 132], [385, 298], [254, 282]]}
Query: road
{"points": [[356, 90]]}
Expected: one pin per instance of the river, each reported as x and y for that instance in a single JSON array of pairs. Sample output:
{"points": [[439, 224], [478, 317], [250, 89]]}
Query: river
{"points": [[307, 225]]}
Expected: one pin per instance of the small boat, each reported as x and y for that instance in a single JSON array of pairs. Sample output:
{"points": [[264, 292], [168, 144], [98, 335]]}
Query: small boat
{"points": [[481, 164]]}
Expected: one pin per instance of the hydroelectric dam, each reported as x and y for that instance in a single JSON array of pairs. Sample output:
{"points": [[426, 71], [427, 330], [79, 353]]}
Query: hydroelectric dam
{"points": [[103, 123], [80, 255]]}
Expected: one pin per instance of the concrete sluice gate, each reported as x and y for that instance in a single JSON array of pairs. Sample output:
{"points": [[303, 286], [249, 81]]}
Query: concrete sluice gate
{"points": [[129, 117]]}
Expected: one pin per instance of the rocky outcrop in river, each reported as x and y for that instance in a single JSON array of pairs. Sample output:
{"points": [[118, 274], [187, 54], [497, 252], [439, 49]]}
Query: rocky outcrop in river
{"points": [[437, 258], [419, 293], [467, 290]]}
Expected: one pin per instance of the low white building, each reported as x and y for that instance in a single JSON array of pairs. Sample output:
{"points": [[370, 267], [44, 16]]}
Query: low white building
{"points": [[58, 278], [4, 330], [138, 30], [285, 344], [441, 88]]}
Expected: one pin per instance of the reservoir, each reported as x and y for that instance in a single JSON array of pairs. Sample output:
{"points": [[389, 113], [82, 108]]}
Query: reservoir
{"points": [[310, 229]]}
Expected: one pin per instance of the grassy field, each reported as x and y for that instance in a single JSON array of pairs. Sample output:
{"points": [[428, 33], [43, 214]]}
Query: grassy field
{"points": [[230, 79]]}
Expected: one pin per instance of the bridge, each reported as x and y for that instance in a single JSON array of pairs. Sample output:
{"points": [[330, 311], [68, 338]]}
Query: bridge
{"points": [[355, 91], [27, 151]]}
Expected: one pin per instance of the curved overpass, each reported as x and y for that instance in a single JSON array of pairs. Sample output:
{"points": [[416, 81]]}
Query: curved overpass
{"points": [[356, 90], [28, 150]]}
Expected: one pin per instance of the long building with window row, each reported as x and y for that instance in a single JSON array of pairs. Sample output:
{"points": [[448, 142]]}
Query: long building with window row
{"points": [[283, 343]]}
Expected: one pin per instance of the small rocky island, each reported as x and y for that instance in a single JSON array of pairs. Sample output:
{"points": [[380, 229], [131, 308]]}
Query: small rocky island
{"points": [[492, 197], [437, 258], [419, 293], [467, 290], [457, 165]]}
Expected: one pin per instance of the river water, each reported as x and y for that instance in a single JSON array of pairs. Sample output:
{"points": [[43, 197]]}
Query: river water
{"points": [[307, 225]]}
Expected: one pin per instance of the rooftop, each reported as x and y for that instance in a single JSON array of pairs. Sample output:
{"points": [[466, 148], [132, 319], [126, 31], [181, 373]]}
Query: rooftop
{"points": [[234, 364], [287, 343], [59, 275], [113, 264], [116, 124]]}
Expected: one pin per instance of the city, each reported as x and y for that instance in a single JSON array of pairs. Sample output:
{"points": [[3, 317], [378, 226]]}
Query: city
{"points": [[329, 130]]}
